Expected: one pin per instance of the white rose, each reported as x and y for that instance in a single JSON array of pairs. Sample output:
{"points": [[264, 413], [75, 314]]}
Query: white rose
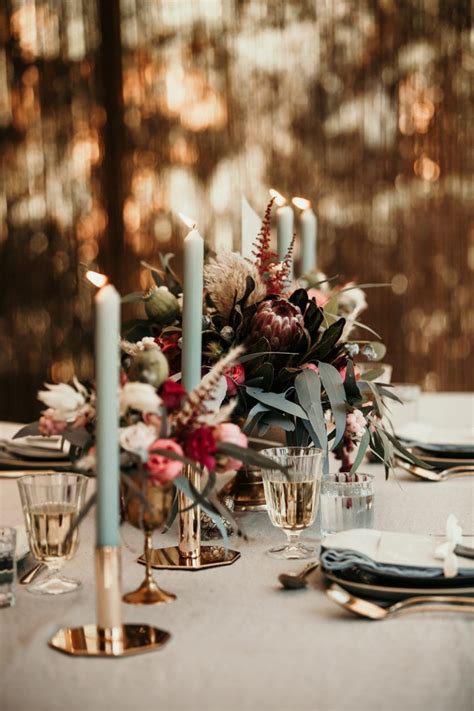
{"points": [[138, 396], [137, 438], [64, 399]]}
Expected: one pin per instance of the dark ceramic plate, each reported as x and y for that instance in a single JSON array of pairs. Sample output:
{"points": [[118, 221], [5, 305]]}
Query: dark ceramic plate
{"points": [[392, 592]]}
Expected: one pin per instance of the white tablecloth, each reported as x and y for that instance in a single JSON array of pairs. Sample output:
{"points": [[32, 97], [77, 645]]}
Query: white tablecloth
{"points": [[238, 641]]}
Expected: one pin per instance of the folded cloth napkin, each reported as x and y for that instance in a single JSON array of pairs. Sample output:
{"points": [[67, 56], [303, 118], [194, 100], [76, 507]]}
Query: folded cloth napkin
{"points": [[402, 554]]}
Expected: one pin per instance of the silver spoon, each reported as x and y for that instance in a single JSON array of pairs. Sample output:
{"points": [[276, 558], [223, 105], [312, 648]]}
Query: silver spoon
{"points": [[426, 603], [430, 475], [296, 581]]}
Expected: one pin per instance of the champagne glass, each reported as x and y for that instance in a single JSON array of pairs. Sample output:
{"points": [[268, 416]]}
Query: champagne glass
{"points": [[147, 506], [293, 498], [50, 504]]}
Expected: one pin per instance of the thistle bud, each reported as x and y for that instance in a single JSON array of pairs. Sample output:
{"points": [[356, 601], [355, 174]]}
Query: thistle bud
{"points": [[161, 305]]}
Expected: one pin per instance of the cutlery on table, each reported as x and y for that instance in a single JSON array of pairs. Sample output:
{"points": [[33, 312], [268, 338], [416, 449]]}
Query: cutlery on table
{"points": [[464, 551], [423, 603], [28, 577], [431, 475], [297, 581]]}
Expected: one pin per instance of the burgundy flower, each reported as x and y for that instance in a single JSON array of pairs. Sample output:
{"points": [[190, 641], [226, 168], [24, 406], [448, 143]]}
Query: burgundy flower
{"points": [[235, 375], [200, 445], [169, 344], [172, 395]]}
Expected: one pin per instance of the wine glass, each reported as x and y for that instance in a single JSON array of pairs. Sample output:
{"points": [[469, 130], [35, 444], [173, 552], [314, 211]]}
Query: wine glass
{"points": [[147, 506], [293, 498], [50, 504]]}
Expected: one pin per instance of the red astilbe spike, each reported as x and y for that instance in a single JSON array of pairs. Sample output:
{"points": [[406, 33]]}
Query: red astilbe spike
{"points": [[278, 279], [264, 256], [194, 406]]}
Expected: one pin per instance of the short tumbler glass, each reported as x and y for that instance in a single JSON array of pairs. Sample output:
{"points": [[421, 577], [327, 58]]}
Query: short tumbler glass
{"points": [[7, 566], [50, 503], [292, 499], [346, 503]]}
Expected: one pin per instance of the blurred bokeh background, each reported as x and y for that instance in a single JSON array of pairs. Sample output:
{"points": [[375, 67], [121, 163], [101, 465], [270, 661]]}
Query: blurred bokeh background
{"points": [[114, 115]]}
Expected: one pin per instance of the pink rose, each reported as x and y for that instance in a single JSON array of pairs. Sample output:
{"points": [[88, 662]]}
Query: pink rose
{"points": [[228, 432], [162, 469], [48, 425], [235, 375]]}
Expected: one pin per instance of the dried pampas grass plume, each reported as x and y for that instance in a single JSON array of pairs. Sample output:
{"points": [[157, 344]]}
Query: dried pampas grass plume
{"points": [[225, 280]]}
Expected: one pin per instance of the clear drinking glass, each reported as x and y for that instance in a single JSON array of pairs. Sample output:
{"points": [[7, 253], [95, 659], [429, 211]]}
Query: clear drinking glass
{"points": [[7, 566], [292, 499], [347, 504], [50, 503]]}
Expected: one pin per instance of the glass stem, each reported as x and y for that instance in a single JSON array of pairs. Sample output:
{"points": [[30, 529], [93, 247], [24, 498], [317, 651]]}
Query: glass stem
{"points": [[148, 556], [293, 537]]}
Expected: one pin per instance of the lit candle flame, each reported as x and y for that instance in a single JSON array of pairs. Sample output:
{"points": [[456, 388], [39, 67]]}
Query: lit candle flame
{"points": [[302, 203], [279, 199], [99, 280], [188, 221]]}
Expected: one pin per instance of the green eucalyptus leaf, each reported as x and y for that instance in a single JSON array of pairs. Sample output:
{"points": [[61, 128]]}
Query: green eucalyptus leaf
{"points": [[308, 390], [254, 416], [373, 374], [249, 456], [31, 429], [277, 401], [363, 445], [366, 387], [353, 394], [329, 339], [334, 388]]}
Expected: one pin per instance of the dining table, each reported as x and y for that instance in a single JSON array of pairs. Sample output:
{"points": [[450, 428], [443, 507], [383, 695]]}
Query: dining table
{"points": [[239, 642]]}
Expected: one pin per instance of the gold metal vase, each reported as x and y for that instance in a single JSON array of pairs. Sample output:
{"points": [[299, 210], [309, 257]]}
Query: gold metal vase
{"points": [[148, 516]]}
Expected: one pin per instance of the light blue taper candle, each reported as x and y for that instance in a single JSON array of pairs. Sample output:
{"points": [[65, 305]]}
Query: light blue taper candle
{"points": [[107, 373], [192, 308]]}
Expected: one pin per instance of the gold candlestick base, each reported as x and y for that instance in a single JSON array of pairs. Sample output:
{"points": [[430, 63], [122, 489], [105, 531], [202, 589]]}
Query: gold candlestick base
{"points": [[210, 557], [123, 641]]}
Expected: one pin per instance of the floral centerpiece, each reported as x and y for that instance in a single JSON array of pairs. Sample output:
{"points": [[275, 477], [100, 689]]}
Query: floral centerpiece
{"points": [[162, 428], [299, 373]]}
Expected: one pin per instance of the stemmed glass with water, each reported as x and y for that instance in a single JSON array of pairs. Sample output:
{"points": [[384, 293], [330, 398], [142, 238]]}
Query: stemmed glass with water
{"points": [[292, 498], [50, 504]]}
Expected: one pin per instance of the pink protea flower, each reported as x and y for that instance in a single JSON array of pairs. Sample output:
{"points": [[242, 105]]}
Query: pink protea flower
{"points": [[235, 375], [228, 432], [49, 425], [163, 470]]}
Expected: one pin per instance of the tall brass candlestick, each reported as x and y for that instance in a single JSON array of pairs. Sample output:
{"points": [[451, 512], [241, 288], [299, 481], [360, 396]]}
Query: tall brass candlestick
{"points": [[189, 521]]}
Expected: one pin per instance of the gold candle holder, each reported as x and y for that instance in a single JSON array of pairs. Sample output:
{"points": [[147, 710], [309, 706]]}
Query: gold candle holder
{"points": [[189, 554], [109, 637]]}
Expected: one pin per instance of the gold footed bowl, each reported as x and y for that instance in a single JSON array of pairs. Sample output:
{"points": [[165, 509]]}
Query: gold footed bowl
{"points": [[148, 517], [246, 491]]}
